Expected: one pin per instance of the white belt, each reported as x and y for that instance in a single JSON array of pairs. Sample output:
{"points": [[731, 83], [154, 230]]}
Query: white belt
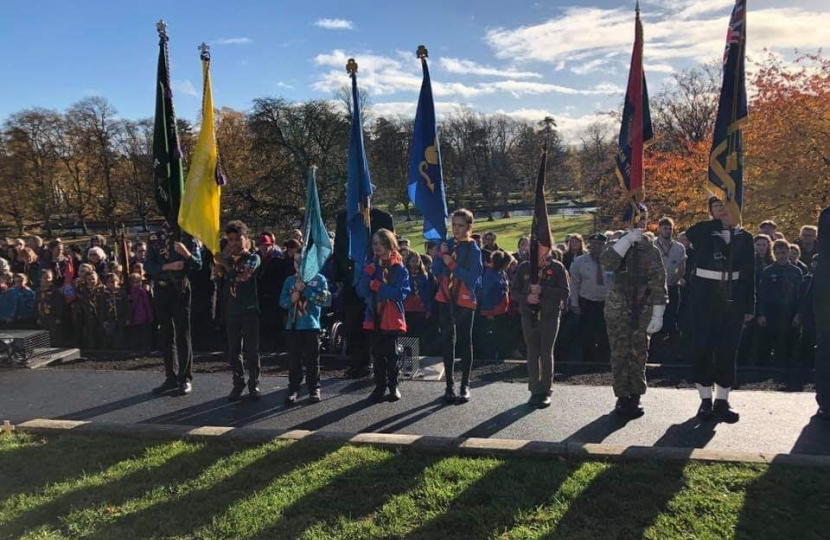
{"points": [[714, 274]]}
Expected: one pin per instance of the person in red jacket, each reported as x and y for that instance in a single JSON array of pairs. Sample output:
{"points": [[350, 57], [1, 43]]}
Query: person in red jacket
{"points": [[458, 271], [384, 285]]}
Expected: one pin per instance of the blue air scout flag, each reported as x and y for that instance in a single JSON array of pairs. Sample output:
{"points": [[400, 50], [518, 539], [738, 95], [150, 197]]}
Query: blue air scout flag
{"points": [[636, 131], [359, 186], [317, 247], [426, 182], [726, 170]]}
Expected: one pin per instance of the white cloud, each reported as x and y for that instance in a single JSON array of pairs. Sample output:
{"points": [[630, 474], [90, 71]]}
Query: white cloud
{"points": [[658, 68], [334, 24], [406, 109], [570, 127], [184, 86], [519, 88], [584, 39], [285, 85], [232, 41], [468, 67]]}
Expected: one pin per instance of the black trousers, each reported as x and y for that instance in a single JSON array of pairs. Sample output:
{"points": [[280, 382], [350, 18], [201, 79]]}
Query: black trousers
{"points": [[777, 339], [385, 360], [672, 314], [303, 351], [172, 303], [714, 337], [458, 332], [243, 340], [595, 345], [356, 339]]}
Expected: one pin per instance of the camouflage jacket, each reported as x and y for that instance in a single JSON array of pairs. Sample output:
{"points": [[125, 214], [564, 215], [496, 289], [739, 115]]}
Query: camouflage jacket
{"points": [[639, 277]]}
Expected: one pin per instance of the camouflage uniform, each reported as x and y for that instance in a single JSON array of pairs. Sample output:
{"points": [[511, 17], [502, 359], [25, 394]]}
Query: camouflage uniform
{"points": [[639, 284]]}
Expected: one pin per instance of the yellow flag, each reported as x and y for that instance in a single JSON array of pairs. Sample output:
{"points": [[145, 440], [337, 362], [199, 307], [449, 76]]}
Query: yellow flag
{"points": [[199, 211]]}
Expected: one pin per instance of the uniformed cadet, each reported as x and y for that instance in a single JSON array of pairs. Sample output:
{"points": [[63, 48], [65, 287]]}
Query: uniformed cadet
{"points": [[168, 263], [778, 302], [540, 305], [634, 311], [241, 305], [721, 300], [821, 310]]}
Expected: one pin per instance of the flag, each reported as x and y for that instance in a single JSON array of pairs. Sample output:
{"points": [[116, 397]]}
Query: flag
{"points": [[317, 247], [359, 186], [541, 239], [167, 154], [636, 131], [726, 158], [199, 213], [426, 182]]}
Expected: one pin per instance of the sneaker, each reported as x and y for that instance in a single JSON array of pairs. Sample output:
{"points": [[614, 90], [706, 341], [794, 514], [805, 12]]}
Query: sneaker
{"points": [[314, 396], [377, 394], [236, 393], [291, 398], [724, 413], [254, 393], [705, 410], [464, 395], [449, 395], [166, 386], [394, 393], [185, 389]]}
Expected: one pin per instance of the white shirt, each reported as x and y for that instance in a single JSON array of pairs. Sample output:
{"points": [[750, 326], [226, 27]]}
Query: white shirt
{"points": [[584, 280]]}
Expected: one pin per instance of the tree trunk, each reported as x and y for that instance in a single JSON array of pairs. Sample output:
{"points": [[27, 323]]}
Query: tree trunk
{"points": [[84, 226], [406, 208]]}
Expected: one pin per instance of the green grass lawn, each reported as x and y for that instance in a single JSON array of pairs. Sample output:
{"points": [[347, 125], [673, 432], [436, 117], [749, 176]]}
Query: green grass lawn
{"points": [[95, 486], [508, 230]]}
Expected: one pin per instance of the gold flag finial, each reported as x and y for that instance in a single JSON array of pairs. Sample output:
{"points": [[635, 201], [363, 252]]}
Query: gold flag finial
{"points": [[351, 66], [422, 52]]}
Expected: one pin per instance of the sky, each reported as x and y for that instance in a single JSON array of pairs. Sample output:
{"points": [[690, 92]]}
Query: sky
{"points": [[526, 59]]}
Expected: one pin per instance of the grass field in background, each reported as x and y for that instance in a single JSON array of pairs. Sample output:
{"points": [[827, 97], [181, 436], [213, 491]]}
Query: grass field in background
{"points": [[95, 486], [508, 230]]}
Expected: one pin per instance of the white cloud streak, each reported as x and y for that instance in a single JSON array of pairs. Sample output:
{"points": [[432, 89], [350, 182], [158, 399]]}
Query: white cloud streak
{"points": [[184, 86], [334, 24], [232, 41], [460, 66]]}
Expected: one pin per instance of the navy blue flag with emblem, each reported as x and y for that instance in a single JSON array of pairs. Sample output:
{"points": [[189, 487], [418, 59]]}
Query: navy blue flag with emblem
{"points": [[426, 181], [726, 169], [359, 186], [317, 246]]}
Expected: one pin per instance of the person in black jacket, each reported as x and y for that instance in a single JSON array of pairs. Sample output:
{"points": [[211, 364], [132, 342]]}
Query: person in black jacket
{"points": [[353, 305], [821, 312]]}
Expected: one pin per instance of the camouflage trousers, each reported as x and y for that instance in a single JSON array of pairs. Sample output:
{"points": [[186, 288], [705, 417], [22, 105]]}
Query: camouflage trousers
{"points": [[629, 348]]}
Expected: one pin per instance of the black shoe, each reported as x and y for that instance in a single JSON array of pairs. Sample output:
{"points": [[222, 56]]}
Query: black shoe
{"points": [[236, 393], [619, 408], [634, 409], [724, 413], [394, 393], [534, 400], [464, 395], [291, 398], [449, 395], [185, 389], [254, 393], [544, 402], [377, 394], [314, 396], [361, 373], [705, 410], [166, 386]]}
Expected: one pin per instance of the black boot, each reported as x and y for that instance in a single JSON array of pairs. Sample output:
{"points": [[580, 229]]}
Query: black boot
{"points": [[236, 393], [633, 409], [724, 413], [449, 395], [254, 393], [166, 386], [705, 410], [394, 393], [464, 394], [377, 394], [619, 408]]}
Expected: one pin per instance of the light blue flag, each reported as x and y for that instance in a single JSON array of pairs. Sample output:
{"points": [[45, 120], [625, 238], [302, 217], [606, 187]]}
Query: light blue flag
{"points": [[426, 182], [317, 247], [358, 188]]}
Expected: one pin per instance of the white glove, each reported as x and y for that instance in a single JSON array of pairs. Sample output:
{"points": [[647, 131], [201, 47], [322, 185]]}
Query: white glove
{"points": [[623, 244], [656, 319]]}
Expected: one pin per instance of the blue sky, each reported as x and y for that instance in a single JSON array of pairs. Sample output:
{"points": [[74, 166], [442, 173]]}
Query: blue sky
{"points": [[523, 58]]}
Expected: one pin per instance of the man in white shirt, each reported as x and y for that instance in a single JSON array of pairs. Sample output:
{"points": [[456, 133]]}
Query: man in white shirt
{"points": [[590, 283], [674, 261]]}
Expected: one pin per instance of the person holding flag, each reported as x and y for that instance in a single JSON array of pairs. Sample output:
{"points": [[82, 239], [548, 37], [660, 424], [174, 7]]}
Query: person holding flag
{"points": [[304, 295], [355, 225], [722, 288], [540, 286], [637, 298], [170, 256]]}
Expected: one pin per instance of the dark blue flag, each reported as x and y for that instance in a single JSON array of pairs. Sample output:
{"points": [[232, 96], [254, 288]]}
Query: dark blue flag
{"points": [[426, 182], [359, 186], [726, 169]]}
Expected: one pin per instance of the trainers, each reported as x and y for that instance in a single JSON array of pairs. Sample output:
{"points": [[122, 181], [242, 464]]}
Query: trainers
{"points": [[166, 386], [291, 398], [394, 393], [236, 393], [377, 394], [254, 393], [314, 396], [705, 410], [724, 413], [449, 395], [185, 389], [464, 395]]}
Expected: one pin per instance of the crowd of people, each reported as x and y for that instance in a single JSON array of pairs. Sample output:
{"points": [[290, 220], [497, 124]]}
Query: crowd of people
{"points": [[593, 300]]}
